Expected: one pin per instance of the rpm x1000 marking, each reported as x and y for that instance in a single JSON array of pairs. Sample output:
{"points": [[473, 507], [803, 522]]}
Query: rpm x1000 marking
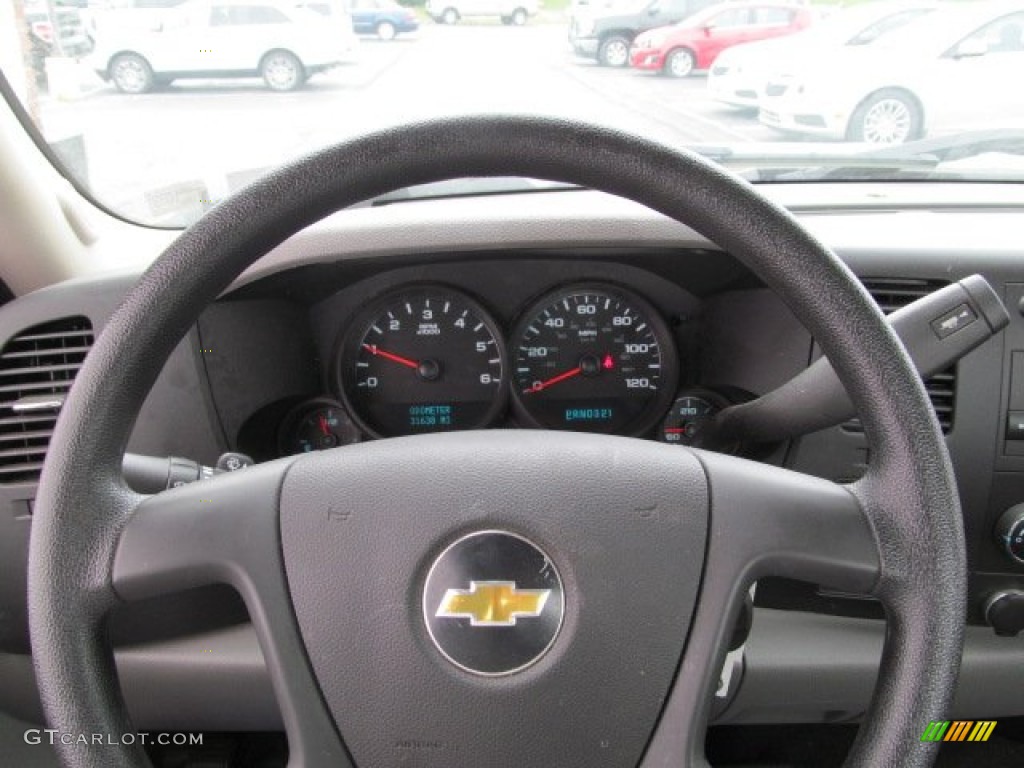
{"points": [[428, 359]]}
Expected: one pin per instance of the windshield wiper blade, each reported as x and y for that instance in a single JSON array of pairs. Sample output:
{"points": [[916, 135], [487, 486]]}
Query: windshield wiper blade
{"points": [[800, 161], [960, 146], [918, 159], [758, 162]]}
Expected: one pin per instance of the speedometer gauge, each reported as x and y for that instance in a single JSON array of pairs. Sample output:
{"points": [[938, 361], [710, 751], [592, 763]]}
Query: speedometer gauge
{"points": [[593, 358], [427, 359]]}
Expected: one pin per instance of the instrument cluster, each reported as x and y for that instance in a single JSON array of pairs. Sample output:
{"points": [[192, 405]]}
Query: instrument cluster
{"points": [[589, 357]]}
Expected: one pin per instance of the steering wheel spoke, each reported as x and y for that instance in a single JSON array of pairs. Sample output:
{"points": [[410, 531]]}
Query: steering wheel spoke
{"points": [[215, 531], [226, 531], [767, 521], [764, 521]]}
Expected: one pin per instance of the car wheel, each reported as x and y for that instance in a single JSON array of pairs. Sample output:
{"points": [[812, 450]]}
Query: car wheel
{"points": [[131, 73], [282, 71], [519, 17], [450, 16], [887, 117], [614, 51], [386, 31], [679, 63]]}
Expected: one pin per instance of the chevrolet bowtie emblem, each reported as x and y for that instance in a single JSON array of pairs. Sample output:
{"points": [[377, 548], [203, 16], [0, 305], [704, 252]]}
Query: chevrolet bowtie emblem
{"points": [[492, 603]]}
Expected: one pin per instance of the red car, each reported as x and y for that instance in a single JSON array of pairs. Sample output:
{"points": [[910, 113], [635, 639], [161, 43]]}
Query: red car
{"points": [[695, 42]]}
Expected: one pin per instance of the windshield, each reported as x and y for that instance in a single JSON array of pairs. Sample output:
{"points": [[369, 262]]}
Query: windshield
{"points": [[160, 108]]}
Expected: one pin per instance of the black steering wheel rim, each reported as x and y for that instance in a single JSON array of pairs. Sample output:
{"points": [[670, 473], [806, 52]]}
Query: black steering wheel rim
{"points": [[909, 495]]}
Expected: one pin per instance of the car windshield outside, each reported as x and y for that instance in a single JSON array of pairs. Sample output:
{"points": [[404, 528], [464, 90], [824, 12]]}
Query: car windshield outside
{"points": [[942, 34], [157, 109], [864, 23], [720, 14]]}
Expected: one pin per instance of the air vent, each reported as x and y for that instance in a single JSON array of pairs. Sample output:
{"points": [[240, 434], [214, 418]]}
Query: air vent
{"points": [[36, 370], [892, 294]]}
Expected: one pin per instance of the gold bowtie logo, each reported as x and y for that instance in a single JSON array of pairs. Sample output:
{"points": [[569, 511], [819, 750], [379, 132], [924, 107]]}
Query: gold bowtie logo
{"points": [[492, 603]]}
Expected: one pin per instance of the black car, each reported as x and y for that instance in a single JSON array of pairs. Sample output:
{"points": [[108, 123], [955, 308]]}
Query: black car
{"points": [[606, 34]]}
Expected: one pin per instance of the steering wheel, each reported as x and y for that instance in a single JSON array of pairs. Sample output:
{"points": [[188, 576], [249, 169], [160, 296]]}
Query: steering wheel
{"points": [[501, 597]]}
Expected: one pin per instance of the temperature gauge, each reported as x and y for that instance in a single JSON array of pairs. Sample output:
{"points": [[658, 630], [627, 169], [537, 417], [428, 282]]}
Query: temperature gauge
{"points": [[688, 414], [316, 426]]}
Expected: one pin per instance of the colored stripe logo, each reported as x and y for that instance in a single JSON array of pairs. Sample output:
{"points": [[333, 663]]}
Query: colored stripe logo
{"points": [[958, 730]]}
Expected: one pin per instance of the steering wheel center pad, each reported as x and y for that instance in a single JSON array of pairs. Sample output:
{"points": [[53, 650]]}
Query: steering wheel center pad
{"points": [[625, 526]]}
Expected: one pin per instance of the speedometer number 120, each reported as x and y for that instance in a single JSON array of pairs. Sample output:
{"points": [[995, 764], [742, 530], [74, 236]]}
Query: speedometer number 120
{"points": [[594, 359]]}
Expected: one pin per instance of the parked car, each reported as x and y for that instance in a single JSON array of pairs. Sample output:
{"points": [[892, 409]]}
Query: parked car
{"points": [[696, 42], [384, 18], [957, 68], [606, 34], [281, 43], [139, 14], [515, 12], [58, 30], [576, 6], [739, 75]]}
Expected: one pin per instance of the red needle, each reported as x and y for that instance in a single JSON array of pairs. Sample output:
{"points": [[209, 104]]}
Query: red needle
{"points": [[323, 425], [538, 386], [373, 349], [675, 430]]}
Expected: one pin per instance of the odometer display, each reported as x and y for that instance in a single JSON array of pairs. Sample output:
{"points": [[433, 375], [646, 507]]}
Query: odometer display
{"points": [[593, 359], [423, 360]]}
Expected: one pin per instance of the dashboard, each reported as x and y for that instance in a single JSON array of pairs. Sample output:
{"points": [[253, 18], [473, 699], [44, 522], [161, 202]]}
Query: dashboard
{"points": [[558, 310], [588, 344]]}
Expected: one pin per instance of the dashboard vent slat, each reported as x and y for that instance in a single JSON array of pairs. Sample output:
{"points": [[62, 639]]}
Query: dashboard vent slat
{"points": [[59, 338], [33, 353], [895, 293], [37, 451], [11, 473], [41, 360], [15, 436]]}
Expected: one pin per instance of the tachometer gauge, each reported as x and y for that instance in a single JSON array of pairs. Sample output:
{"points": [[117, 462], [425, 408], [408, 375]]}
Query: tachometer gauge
{"points": [[427, 359], [593, 358], [316, 425]]}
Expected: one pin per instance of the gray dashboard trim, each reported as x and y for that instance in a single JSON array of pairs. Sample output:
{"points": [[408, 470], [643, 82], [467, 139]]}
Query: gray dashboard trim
{"points": [[217, 680], [826, 666], [594, 219]]}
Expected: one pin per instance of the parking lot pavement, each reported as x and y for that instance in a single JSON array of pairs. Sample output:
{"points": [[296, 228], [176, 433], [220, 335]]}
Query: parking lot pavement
{"points": [[682, 105], [213, 133]]}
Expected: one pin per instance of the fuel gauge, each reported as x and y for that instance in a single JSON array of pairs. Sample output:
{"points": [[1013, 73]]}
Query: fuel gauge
{"points": [[317, 425]]}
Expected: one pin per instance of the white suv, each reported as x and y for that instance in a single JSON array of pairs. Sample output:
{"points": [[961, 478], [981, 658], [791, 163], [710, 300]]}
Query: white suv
{"points": [[509, 11], [279, 42]]}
